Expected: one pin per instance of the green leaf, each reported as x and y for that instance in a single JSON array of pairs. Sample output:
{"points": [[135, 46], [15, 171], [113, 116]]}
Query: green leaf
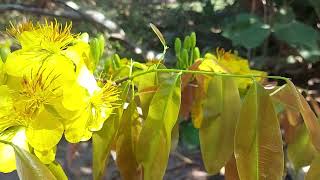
{"points": [[147, 86], [196, 53], [308, 115], [159, 34], [30, 167], [187, 43], [155, 137], [126, 143], [96, 50], [246, 30], [177, 46], [300, 151], [57, 171], [314, 173], [316, 6], [175, 137], [185, 59], [189, 135], [301, 36], [258, 144], [193, 40], [4, 52], [220, 113], [102, 142], [297, 33]]}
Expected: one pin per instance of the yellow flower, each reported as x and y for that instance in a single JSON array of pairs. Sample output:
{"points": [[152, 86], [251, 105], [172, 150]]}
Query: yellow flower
{"points": [[50, 36], [48, 89], [91, 104], [52, 43], [29, 105], [227, 62]]}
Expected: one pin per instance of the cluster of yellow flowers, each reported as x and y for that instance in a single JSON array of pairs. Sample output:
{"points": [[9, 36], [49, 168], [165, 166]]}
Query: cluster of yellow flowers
{"points": [[228, 62], [47, 90]]}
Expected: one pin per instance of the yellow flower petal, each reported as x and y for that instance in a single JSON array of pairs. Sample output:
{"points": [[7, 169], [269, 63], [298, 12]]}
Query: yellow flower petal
{"points": [[5, 108], [229, 62], [5, 101], [45, 131], [46, 156], [98, 117], [77, 130], [24, 63], [75, 97], [87, 80], [15, 135], [78, 53]]}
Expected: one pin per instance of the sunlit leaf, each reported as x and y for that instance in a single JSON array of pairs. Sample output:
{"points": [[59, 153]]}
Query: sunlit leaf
{"points": [[308, 115], [57, 171], [286, 96], [159, 34], [175, 137], [258, 144], [126, 143], [155, 137], [300, 150], [30, 167], [220, 113], [289, 130], [314, 173], [147, 85], [102, 142]]}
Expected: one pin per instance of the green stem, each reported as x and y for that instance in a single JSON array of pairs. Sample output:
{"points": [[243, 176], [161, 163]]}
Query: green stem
{"points": [[250, 76]]}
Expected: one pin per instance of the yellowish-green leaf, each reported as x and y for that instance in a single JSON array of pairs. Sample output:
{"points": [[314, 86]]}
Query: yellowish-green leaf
{"points": [[300, 151], [175, 137], [258, 144], [30, 167], [290, 96], [286, 96], [308, 115], [126, 144], [220, 113], [159, 34], [102, 142], [57, 171], [314, 173], [155, 137], [147, 86]]}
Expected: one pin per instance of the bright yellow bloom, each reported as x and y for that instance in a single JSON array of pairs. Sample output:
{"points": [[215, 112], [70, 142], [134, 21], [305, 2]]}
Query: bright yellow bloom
{"points": [[51, 43], [29, 105], [91, 103], [227, 62], [48, 90]]}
